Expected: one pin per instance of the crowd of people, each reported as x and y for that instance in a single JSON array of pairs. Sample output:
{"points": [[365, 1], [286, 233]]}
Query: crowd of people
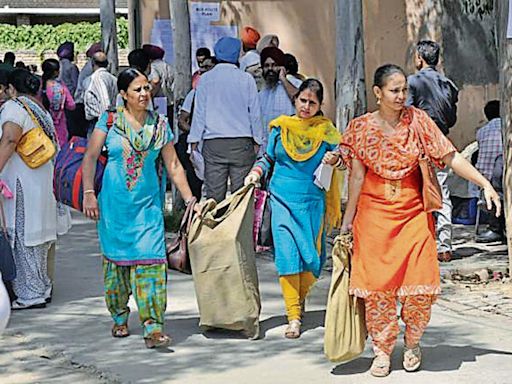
{"points": [[249, 115]]}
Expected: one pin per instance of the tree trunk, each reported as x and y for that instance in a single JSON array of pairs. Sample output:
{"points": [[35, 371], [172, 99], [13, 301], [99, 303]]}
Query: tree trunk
{"points": [[109, 33], [182, 68], [350, 77], [505, 70], [182, 48]]}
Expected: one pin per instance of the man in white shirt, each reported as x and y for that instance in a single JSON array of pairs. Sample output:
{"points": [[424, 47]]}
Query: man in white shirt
{"points": [[227, 117], [101, 90]]}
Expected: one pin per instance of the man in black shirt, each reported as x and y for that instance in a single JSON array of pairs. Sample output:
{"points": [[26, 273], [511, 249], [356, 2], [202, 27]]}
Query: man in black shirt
{"points": [[437, 95]]}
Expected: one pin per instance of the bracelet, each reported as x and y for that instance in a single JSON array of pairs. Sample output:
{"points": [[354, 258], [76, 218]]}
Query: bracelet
{"points": [[89, 191], [187, 202]]}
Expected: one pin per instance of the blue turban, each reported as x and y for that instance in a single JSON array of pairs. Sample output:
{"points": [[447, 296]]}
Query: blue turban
{"points": [[228, 49], [66, 50]]}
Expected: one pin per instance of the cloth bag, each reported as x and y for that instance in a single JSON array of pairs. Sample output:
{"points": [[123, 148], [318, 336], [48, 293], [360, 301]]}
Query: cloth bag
{"points": [[7, 266], [345, 327], [431, 190], [177, 251], [223, 264]]}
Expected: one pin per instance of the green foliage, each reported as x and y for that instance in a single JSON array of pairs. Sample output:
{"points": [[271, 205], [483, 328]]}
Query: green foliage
{"points": [[44, 37]]}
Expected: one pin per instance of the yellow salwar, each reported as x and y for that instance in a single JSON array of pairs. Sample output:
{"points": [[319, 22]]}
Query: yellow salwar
{"points": [[295, 289]]}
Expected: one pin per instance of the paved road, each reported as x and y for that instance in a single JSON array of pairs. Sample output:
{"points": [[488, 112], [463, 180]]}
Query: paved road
{"points": [[69, 341]]}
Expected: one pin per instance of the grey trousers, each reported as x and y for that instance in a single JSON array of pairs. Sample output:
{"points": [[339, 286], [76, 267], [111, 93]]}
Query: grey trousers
{"points": [[223, 159], [444, 215]]}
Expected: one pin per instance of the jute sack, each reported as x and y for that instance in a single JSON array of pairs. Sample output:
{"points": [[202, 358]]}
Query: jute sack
{"points": [[345, 328], [223, 264]]}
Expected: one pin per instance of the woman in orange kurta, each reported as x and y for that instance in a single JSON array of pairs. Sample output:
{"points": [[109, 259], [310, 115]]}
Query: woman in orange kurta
{"points": [[395, 253]]}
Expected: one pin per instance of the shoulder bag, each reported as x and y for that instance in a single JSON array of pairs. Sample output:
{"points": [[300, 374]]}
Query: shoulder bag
{"points": [[430, 190], [35, 148]]}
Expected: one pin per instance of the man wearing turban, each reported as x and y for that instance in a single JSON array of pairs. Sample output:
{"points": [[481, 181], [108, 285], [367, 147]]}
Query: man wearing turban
{"points": [[68, 70], [161, 76], [227, 120], [250, 62], [77, 123], [277, 95]]}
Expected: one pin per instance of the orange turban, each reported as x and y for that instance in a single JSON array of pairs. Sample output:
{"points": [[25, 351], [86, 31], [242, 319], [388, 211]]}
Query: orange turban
{"points": [[250, 37]]}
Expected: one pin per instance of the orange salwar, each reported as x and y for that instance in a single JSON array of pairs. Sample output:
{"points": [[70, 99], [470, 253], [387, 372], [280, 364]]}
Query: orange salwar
{"points": [[382, 320]]}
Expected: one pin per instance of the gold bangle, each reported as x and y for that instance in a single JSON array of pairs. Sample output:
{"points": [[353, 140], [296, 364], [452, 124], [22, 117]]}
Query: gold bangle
{"points": [[89, 191]]}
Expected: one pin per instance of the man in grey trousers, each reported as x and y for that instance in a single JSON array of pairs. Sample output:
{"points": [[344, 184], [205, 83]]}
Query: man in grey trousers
{"points": [[227, 121], [437, 95]]}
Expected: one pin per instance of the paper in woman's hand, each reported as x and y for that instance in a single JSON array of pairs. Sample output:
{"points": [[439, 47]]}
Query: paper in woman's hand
{"points": [[323, 176]]}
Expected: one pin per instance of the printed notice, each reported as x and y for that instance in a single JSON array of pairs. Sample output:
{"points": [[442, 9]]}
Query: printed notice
{"points": [[204, 11]]}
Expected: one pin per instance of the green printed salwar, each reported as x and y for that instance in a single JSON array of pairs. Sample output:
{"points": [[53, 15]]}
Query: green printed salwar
{"points": [[147, 283]]}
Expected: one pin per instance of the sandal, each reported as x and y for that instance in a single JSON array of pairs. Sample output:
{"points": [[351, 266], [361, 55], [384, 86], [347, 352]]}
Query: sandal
{"points": [[381, 366], [16, 305], [292, 330], [120, 331], [157, 340], [412, 358]]}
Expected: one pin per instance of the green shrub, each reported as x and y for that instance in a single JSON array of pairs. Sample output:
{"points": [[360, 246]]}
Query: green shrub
{"points": [[44, 37]]}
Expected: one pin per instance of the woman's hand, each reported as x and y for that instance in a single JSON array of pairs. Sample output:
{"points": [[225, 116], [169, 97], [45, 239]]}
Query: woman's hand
{"points": [[331, 158], [90, 206], [346, 227], [491, 196], [252, 178]]}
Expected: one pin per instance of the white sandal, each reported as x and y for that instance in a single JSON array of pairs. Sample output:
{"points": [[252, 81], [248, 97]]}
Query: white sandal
{"points": [[412, 358], [292, 331], [381, 366]]}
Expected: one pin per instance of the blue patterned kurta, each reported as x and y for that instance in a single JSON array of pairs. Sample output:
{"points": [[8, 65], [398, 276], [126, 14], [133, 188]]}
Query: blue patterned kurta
{"points": [[131, 226], [298, 209]]}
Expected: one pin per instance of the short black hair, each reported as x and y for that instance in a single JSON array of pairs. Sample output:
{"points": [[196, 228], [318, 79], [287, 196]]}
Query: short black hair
{"points": [[139, 60], [291, 64], [9, 58], [100, 63], [429, 50], [203, 51], [492, 109]]}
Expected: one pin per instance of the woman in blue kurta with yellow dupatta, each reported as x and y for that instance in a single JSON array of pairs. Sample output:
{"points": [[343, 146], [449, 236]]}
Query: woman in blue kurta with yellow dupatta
{"points": [[129, 207], [301, 211]]}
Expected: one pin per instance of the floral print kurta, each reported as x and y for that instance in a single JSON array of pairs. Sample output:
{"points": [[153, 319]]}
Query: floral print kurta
{"points": [[131, 226]]}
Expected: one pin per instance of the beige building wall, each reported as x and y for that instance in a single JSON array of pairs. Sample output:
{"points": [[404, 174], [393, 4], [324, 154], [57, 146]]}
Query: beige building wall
{"points": [[306, 28]]}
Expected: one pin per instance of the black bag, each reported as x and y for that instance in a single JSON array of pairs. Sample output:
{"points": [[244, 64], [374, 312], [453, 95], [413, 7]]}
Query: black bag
{"points": [[265, 231], [7, 266]]}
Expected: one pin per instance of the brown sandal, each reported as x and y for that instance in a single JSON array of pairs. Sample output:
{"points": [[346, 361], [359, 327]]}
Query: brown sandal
{"points": [[157, 340], [120, 331]]}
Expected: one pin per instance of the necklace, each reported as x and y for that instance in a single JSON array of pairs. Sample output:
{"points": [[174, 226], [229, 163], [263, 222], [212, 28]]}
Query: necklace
{"points": [[392, 123]]}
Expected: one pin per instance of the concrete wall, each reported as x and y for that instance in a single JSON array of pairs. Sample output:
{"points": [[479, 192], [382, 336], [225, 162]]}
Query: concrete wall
{"points": [[306, 28]]}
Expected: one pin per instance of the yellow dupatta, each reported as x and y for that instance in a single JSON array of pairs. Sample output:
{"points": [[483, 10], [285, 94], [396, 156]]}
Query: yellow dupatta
{"points": [[301, 139]]}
